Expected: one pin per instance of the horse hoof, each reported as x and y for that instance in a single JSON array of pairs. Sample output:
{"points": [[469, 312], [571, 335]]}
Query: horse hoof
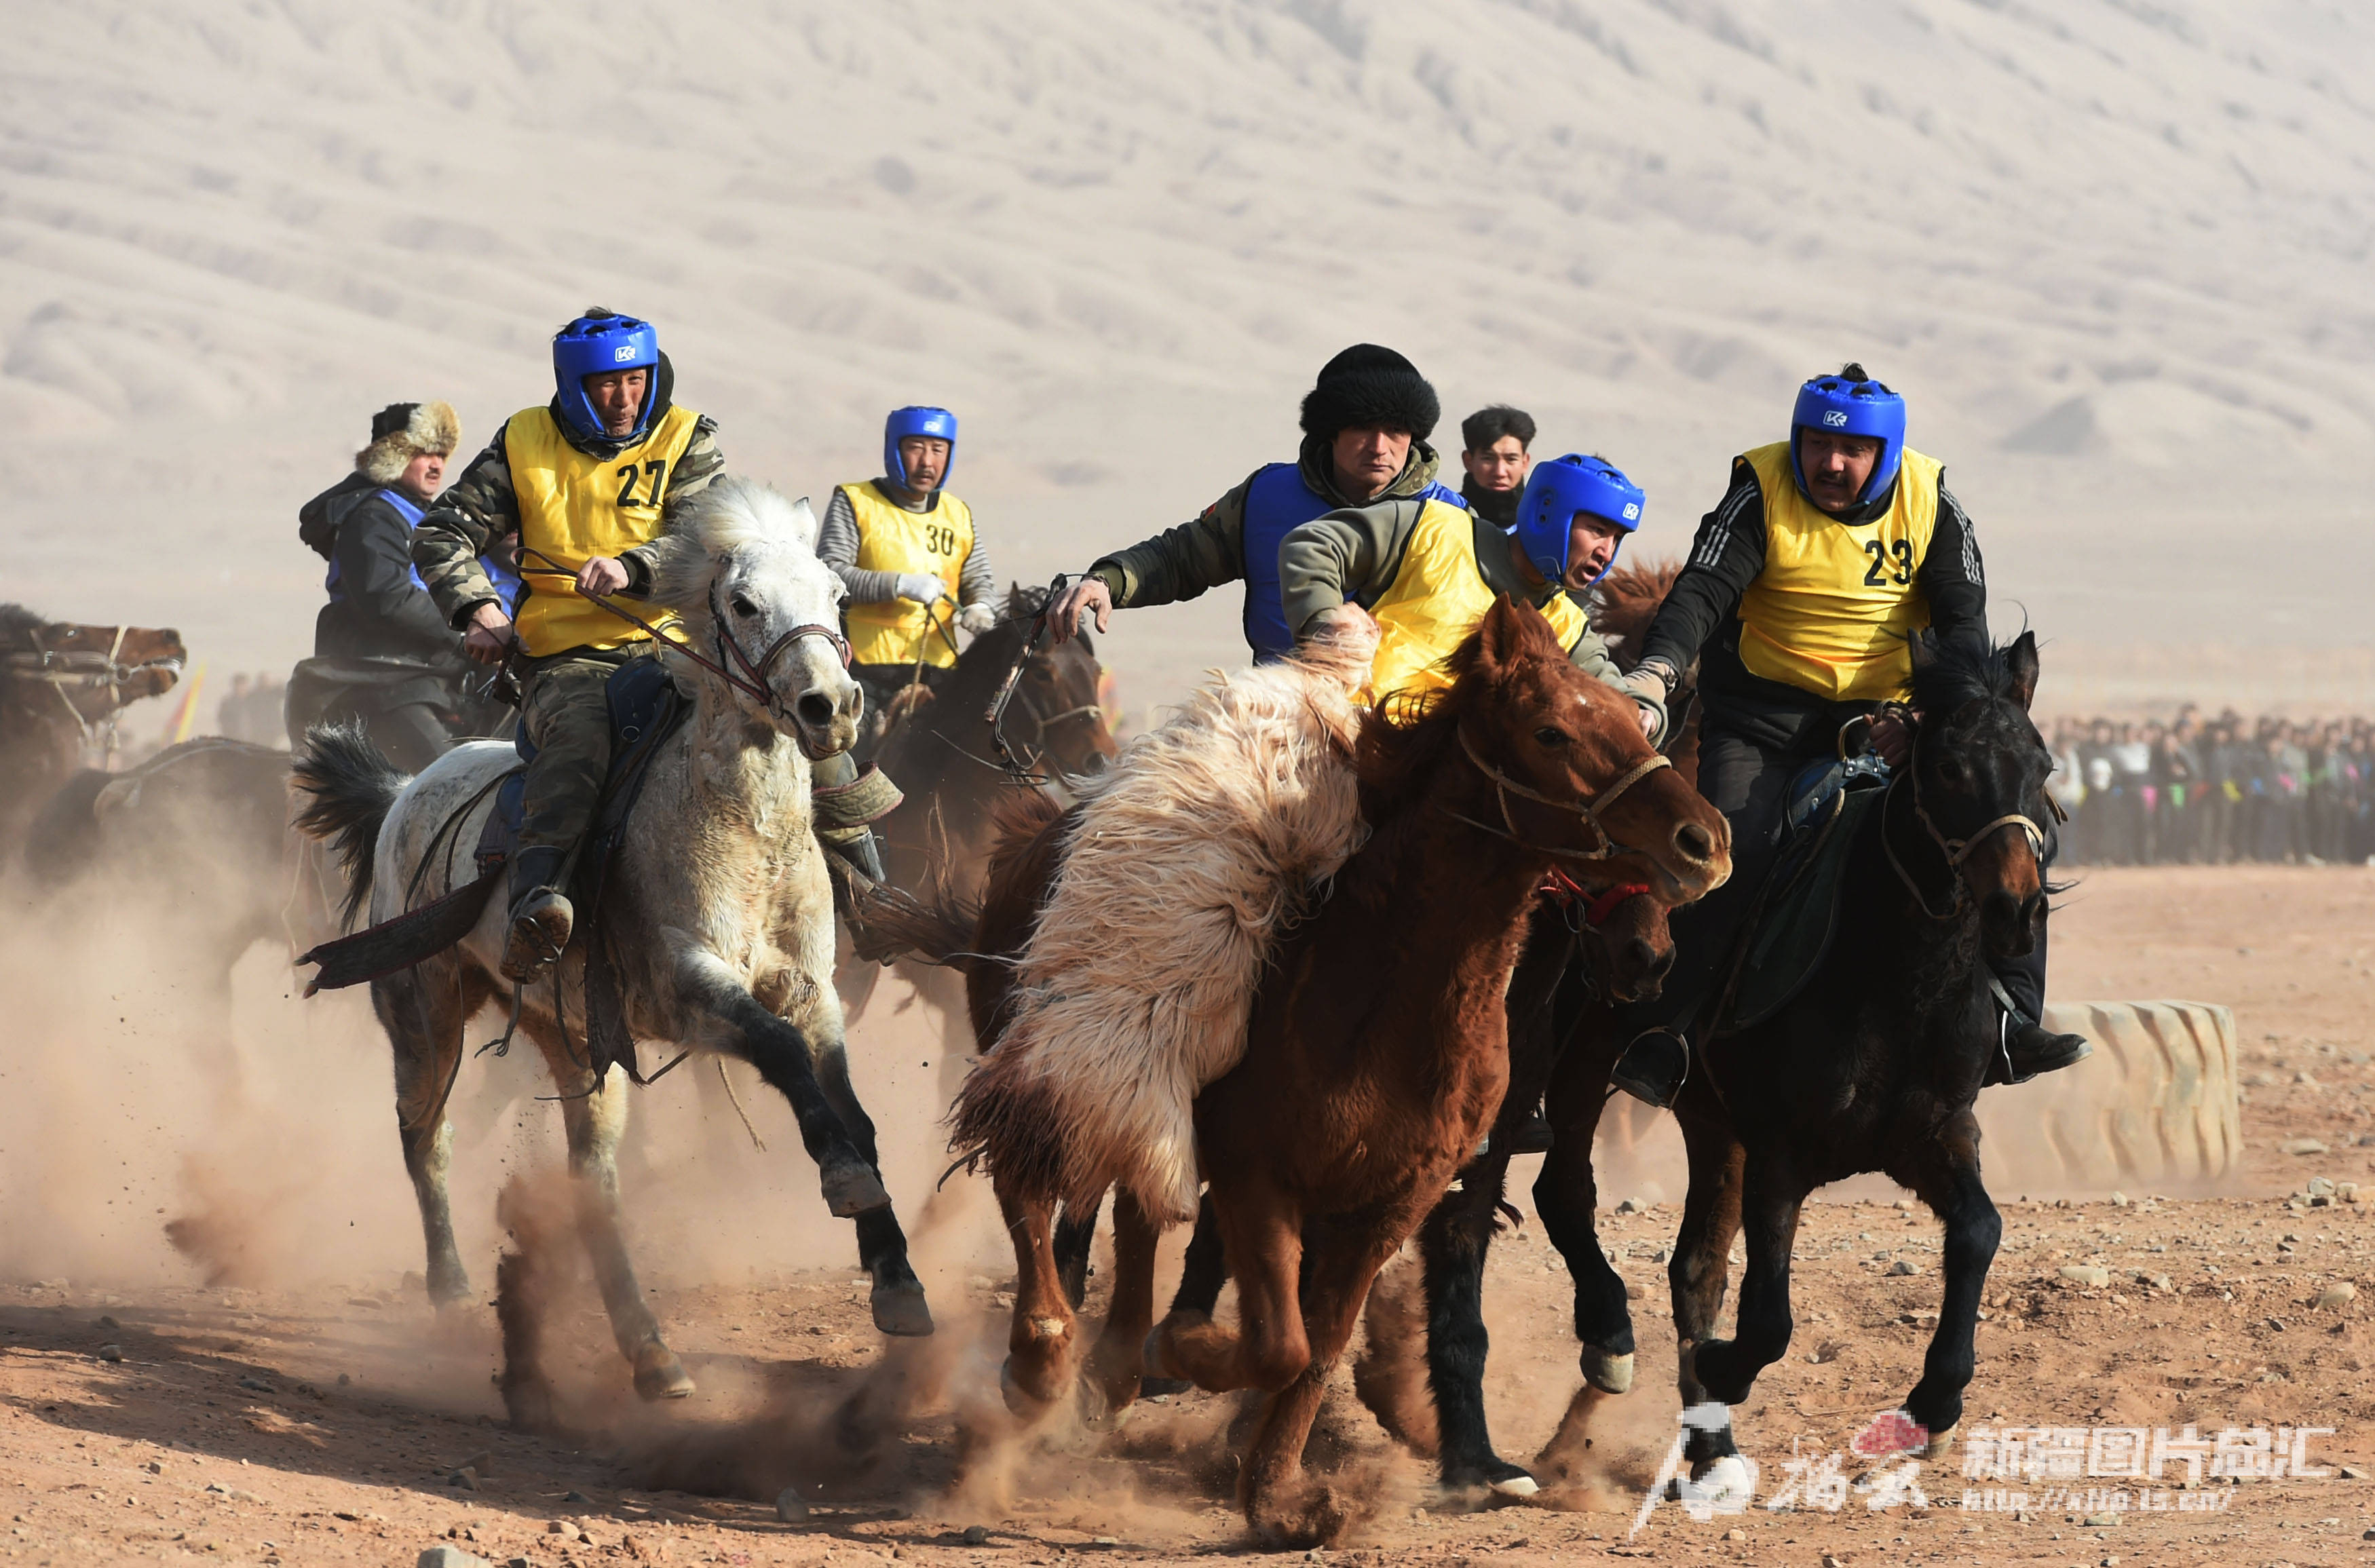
{"points": [[1161, 1387], [1516, 1483], [1726, 1486], [662, 1377], [1609, 1373], [901, 1309], [1024, 1404], [853, 1189], [1940, 1441]]}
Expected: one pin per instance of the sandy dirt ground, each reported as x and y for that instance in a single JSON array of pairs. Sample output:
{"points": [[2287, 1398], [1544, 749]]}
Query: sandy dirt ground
{"points": [[341, 1422]]}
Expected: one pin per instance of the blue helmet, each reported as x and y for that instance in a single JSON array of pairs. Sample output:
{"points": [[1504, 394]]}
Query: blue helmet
{"points": [[916, 421], [1852, 404], [1559, 489], [596, 342]]}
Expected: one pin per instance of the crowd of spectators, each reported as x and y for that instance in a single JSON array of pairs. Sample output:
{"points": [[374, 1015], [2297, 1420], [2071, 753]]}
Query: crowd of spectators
{"points": [[2205, 791]]}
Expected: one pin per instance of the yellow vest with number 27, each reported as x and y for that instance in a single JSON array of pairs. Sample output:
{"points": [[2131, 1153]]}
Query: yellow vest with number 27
{"points": [[892, 538], [1437, 597], [1832, 610], [574, 506]]}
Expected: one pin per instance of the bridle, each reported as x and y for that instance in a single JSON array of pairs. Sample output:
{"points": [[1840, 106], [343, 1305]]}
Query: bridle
{"points": [[1589, 810], [1027, 770], [1955, 850], [743, 675], [63, 671]]}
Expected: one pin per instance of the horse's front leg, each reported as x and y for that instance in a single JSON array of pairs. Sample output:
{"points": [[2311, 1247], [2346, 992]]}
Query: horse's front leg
{"points": [[708, 990], [1725, 1370], [1453, 1242], [1952, 1189], [898, 1296], [1115, 1360], [1566, 1196], [1038, 1367]]}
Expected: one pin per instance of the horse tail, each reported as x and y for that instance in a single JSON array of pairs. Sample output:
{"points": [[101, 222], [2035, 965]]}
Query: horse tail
{"points": [[344, 787], [64, 838], [893, 924]]}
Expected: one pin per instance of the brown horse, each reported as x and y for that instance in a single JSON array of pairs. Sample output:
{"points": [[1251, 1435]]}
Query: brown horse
{"points": [[61, 687], [1377, 1053]]}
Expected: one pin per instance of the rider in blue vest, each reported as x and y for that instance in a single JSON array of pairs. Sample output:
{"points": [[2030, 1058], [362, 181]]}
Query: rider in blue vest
{"points": [[1364, 428]]}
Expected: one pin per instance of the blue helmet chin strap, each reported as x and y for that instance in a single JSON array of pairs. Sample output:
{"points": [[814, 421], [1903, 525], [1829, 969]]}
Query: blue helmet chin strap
{"points": [[1559, 489], [918, 420]]}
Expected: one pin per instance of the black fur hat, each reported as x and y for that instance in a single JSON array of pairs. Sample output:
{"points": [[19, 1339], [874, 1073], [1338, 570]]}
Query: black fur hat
{"points": [[1369, 386]]}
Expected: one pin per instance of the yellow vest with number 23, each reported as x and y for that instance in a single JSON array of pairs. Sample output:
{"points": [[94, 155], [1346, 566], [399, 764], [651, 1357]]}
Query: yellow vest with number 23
{"points": [[1832, 610], [574, 506], [892, 538]]}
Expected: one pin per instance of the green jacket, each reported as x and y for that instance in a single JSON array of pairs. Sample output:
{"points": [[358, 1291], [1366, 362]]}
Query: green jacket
{"points": [[1179, 563], [1354, 554]]}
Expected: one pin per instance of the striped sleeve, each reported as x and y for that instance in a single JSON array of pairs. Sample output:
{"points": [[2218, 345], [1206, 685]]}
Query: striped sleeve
{"points": [[1951, 575], [1725, 559]]}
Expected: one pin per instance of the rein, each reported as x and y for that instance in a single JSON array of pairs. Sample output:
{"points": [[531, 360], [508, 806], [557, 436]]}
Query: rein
{"points": [[62, 672], [1029, 772], [1589, 810], [750, 679]]}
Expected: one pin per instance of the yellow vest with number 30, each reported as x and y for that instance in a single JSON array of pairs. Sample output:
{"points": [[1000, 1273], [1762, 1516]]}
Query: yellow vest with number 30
{"points": [[892, 538], [574, 506], [1834, 606], [1437, 597]]}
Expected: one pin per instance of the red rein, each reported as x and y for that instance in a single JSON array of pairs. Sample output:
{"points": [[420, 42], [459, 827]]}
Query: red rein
{"points": [[1597, 907]]}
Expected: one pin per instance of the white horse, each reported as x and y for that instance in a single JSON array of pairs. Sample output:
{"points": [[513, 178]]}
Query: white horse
{"points": [[718, 911]]}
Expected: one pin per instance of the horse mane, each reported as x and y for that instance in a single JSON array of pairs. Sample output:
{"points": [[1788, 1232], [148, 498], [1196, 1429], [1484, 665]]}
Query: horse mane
{"points": [[1627, 601], [16, 622], [1397, 751], [1951, 671], [731, 513]]}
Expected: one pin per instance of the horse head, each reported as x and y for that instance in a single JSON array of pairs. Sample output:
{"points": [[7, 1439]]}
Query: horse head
{"points": [[1058, 710], [1628, 946], [761, 612], [96, 670], [1571, 774], [1978, 783]]}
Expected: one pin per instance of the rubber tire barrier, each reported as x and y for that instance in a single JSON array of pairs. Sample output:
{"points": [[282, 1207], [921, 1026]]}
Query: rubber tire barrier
{"points": [[2154, 1109]]}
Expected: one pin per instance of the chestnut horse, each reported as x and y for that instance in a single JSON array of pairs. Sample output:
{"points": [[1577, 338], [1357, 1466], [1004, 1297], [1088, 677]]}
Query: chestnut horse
{"points": [[61, 687], [1378, 1052]]}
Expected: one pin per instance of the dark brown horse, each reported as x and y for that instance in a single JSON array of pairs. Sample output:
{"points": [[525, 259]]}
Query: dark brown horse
{"points": [[61, 687], [942, 752], [1377, 1053]]}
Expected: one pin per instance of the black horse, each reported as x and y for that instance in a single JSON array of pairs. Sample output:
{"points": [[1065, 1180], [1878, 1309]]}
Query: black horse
{"points": [[1874, 1065]]}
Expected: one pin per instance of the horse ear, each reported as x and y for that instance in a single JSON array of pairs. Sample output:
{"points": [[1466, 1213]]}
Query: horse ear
{"points": [[1500, 634], [805, 524], [2021, 663]]}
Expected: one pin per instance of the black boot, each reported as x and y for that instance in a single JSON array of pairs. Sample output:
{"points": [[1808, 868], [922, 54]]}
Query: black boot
{"points": [[856, 847], [1532, 1136], [1653, 1067], [541, 916], [2030, 1048]]}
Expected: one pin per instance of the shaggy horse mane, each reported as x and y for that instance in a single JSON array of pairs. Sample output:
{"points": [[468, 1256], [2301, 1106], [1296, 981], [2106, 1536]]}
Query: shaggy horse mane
{"points": [[732, 513], [1951, 672]]}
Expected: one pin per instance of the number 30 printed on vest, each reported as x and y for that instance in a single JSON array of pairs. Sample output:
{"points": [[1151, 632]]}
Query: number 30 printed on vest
{"points": [[940, 538], [658, 472]]}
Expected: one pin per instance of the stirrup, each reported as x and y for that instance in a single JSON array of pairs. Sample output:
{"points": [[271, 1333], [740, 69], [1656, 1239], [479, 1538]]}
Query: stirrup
{"points": [[539, 934], [1657, 1083]]}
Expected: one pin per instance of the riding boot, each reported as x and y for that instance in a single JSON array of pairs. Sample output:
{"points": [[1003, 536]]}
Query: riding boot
{"points": [[848, 799], [541, 916], [857, 846], [2028, 1047]]}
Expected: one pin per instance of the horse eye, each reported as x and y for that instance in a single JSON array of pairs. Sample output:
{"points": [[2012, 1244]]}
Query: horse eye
{"points": [[744, 606], [1549, 735]]}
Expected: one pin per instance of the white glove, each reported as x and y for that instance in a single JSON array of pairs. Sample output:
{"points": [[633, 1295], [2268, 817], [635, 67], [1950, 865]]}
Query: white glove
{"points": [[977, 619], [922, 587]]}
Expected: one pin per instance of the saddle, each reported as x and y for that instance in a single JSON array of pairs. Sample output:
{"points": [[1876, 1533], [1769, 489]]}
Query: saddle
{"points": [[1797, 911], [644, 709]]}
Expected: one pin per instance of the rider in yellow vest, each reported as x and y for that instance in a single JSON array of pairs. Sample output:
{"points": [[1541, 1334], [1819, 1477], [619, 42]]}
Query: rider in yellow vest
{"points": [[1829, 550], [584, 483], [1428, 569], [914, 567]]}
